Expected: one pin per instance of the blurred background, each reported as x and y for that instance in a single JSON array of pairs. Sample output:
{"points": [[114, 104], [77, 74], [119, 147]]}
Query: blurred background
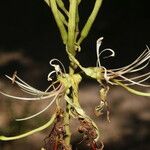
{"points": [[29, 38]]}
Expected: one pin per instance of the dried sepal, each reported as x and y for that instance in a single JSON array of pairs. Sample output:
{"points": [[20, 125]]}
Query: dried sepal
{"points": [[89, 134], [56, 137]]}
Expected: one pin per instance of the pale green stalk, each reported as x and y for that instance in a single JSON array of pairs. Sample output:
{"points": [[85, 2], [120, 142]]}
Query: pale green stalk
{"points": [[63, 19], [62, 6], [90, 21], [71, 48], [58, 20], [4, 138], [72, 26], [132, 90], [67, 124], [77, 21]]}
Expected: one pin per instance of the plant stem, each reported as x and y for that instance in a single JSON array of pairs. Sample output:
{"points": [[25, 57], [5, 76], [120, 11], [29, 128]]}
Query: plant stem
{"points": [[46, 125], [58, 20], [69, 39], [75, 92], [62, 6], [72, 27], [67, 125], [77, 20], [71, 48], [90, 21]]}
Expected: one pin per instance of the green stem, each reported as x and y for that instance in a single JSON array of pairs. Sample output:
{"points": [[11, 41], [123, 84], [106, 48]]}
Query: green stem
{"points": [[132, 90], [71, 48], [75, 92], [58, 20], [62, 6], [67, 125], [4, 138], [67, 113], [72, 26], [90, 21], [77, 21], [63, 19]]}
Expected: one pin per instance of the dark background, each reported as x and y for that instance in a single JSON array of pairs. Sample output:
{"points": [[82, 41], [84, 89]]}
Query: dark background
{"points": [[29, 38]]}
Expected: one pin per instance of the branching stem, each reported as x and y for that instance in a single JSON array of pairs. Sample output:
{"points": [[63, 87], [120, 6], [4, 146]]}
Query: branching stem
{"points": [[67, 124], [90, 21], [58, 20]]}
